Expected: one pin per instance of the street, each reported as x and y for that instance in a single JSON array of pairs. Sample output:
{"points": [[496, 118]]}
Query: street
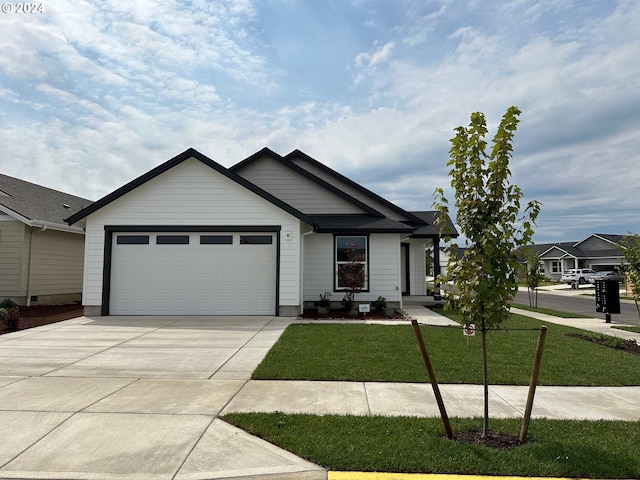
{"points": [[582, 302]]}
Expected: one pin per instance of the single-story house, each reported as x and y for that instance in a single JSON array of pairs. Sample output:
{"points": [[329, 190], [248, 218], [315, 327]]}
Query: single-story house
{"points": [[267, 236], [41, 256], [598, 251]]}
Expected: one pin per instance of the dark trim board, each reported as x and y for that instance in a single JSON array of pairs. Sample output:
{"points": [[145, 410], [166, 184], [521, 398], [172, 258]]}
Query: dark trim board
{"points": [[407, 264], [109, 230]]}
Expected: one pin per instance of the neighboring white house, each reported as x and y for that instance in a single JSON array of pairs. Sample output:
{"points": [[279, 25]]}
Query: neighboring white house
{"points": [[266, 236], [41, 257], [598, 251]]}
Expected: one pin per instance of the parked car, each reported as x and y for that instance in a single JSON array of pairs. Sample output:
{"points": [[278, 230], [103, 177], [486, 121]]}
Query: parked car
{"points": [[608, 275], [580, 275]]}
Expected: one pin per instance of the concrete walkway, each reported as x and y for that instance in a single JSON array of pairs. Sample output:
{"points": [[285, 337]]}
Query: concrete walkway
{"points": [[138, 398]]}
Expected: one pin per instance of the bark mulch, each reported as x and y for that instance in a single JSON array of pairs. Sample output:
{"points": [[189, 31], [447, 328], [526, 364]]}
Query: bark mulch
{"points": [[37, 315]]}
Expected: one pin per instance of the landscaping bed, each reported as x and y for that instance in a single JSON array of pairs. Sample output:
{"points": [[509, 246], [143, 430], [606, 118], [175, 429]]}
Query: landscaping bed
{"points": [[341, 313], [630, 346], [37, 315]]}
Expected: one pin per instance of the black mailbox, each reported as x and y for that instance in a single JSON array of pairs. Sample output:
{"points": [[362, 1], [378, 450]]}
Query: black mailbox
{"points": [[607, 297]]}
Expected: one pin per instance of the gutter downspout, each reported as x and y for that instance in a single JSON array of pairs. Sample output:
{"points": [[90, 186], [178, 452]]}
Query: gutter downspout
{"points": [[29, 270], [301, 307]]}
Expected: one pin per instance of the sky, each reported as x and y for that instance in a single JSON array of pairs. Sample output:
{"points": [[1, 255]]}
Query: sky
{"points": [[95, 93]]}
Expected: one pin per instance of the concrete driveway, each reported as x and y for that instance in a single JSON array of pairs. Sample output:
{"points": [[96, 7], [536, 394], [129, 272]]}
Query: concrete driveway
{"points": [[134, 397]]}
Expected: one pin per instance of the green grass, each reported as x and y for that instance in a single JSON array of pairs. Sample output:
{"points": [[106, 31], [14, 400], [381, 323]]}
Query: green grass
{"points": [[351, 352], [557, 448], [548, 311], [629, 329]]}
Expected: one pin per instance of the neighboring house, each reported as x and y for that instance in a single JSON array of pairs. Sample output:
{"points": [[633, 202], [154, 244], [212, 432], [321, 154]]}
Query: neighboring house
{"points": [[266, 236], [598, 251], [41, 257]]}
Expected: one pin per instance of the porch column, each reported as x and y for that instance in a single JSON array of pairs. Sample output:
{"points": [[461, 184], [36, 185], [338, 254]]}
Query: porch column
{"points": [[436, 259]]}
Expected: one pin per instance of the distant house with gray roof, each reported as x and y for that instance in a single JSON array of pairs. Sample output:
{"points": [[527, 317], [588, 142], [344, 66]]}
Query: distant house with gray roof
{"points": [[598, 251], [41, 257]]}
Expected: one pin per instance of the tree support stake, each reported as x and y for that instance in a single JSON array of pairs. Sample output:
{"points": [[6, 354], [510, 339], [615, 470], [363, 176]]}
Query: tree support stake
{"points": [[532, 385], [432, 378]]}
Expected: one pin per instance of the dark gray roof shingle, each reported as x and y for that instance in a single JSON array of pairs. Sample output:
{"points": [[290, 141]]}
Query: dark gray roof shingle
{"points": [[38, 203]]}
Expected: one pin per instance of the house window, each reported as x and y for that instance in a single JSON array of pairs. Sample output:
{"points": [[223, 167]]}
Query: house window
{"points": [[555, 267], [352, 262]]}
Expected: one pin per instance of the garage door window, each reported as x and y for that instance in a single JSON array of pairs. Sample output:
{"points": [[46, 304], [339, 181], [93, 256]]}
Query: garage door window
{"points": [[133, 240], [216, 239], [172, 240], [256, 239]]}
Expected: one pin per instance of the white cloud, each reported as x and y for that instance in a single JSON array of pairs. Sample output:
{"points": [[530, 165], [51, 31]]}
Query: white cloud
{"points": [[99, 93]]}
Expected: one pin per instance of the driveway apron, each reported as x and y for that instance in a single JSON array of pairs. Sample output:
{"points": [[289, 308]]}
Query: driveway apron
{"points": [[136, 398]]}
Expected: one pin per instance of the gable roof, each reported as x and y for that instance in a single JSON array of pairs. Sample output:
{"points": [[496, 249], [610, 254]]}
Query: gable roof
{"points": [[366, 192], [38, 206], [189, 153], [614, 240], [573, 249], [417, 224], [266, 152]]}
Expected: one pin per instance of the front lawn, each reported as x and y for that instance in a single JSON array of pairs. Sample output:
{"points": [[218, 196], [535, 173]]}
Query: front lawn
{"points": [[557, 448], [353, 352]]}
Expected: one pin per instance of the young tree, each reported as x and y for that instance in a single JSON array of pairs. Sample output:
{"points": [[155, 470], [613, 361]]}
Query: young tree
{"points": [[489, 216], [533, 276], [631, 251]]}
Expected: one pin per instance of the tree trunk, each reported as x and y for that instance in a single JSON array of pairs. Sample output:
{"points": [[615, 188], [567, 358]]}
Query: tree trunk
{"points": [[485, 382]]}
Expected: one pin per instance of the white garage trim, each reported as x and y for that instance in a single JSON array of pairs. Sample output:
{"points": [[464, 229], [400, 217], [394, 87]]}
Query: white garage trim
{"points": [[190, 243]]}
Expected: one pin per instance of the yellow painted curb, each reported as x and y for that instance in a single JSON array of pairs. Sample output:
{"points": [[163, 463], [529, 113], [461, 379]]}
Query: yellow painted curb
{"points": [[425, 476]]}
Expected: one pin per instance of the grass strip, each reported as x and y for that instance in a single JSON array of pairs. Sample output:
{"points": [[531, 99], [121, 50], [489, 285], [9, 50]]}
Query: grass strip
{"points": [[548, 311], [356, 352], [628, 329], [557, 448]]}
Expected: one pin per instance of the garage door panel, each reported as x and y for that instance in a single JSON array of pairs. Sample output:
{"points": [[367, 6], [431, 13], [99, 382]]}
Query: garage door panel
{"points": [[195, 278]]}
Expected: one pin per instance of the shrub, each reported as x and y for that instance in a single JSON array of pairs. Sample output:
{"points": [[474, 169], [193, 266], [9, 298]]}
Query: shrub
{"points": [[8, 303], [325, 299], [380, 304], [347, 301]]}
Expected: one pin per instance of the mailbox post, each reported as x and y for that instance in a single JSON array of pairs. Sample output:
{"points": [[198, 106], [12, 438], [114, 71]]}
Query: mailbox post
{"points": [[607, 298]]}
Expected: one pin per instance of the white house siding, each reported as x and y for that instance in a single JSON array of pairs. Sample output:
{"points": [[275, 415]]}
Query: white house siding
{"points": [[191, 194], [384, 272], [295, 189], [56, 265], [345, 187], [12, 259]]}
